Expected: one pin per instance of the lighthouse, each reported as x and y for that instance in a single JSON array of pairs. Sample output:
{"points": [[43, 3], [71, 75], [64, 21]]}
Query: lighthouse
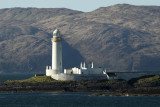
{"points": [[56, 67], [56, 52], [82, 73]]}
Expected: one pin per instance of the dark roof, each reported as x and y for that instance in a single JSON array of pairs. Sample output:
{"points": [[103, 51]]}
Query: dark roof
{"points": [[111, 74]]}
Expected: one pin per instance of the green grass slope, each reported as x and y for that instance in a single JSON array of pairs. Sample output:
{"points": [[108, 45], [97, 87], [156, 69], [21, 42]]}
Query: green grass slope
{"points": [[37, 79]]}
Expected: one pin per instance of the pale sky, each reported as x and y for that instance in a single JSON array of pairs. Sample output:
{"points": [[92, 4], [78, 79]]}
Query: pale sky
{"points": [[82, 5]]}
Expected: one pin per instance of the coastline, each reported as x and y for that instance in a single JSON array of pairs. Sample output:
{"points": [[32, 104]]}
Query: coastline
{"points": [[144, 86], [122, 94], [95, 93]]}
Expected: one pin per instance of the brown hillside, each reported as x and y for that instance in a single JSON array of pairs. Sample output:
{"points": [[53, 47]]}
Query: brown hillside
{"points": [[120, 38]]}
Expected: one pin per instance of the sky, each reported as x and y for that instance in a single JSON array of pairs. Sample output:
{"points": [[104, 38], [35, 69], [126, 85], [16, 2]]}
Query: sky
{"points": [[81, 5]]}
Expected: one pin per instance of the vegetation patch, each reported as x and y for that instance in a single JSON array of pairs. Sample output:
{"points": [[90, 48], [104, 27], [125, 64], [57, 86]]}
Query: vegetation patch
{"points": [[145, 79], [149, 79], [36, 79]]}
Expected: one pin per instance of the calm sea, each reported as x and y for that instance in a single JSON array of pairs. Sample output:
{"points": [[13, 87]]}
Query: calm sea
{"points": [[73, 99], [70, 99], [14, 76]]}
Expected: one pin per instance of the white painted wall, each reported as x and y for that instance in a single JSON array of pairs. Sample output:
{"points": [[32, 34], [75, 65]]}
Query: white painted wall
{"points": [[57, 56], [76, 70], [76, 77], [49, 71]]}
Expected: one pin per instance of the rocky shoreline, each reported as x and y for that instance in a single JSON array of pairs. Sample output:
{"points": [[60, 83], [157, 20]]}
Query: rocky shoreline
{"points": [[122, 94], [144, 86]]}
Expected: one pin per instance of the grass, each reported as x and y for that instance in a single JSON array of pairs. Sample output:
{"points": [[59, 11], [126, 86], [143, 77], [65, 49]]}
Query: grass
{"points": [[42, 79], [145, 79], [149, 79], [36, 79]]}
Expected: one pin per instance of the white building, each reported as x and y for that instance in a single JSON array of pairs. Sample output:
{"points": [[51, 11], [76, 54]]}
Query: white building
{"points": [[56, 55], [84, 70]]}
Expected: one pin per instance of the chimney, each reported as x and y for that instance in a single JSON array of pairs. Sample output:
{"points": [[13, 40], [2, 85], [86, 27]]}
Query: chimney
{"points": [[81, 65], [84, 65], [92, 65]]}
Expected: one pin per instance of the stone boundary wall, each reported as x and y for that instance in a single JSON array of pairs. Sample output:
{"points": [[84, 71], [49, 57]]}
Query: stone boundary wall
{"points": [[76, 77], [120, 75]]}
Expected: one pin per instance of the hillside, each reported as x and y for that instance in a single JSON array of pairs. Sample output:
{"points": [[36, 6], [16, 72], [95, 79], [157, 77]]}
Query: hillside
{"points": [[120, 38]]}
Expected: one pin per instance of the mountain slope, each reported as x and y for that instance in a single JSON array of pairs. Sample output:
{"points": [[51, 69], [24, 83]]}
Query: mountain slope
{"points": [[119, 38]]}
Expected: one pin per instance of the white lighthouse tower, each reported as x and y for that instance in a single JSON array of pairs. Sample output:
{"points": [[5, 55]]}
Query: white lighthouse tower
{"points": [[56, 54]]}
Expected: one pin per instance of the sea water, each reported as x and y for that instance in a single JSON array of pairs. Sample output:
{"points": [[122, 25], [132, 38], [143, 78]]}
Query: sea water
{"points": [[74, 99], [14, 76]]}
